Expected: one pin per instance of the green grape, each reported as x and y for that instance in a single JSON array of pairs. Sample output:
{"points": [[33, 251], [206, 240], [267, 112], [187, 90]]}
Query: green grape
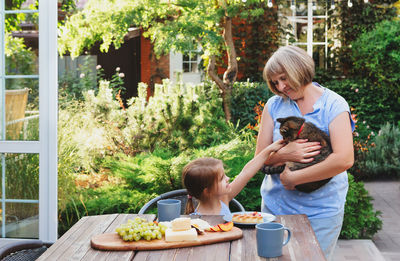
{"points": [[159, 236]]}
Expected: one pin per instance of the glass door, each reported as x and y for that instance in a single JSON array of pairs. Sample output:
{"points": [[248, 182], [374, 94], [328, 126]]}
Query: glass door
{"points": [[28, 119]]}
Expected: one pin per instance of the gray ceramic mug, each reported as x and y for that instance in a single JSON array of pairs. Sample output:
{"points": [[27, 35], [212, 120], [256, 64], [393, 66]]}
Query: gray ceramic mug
{"points": [[270, 239], [168, 209]]}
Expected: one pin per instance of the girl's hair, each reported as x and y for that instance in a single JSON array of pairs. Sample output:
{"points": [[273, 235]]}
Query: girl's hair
{"points": [[295, 63], [198, 175]]}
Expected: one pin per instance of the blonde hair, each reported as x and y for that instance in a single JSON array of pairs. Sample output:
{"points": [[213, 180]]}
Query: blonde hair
{"points": [[198, 175], [295, 63]]}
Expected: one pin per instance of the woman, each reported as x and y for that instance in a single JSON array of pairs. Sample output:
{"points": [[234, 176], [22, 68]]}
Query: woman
{"points": [[289, 73]]}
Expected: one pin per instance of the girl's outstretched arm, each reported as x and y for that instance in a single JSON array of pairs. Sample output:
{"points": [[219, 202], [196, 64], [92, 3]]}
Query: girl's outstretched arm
{"points": [[251, 168]]}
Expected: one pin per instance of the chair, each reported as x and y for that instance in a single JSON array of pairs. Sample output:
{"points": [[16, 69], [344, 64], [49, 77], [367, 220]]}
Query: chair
{"points": [[16, 101], [182, 195], [22, 250]]}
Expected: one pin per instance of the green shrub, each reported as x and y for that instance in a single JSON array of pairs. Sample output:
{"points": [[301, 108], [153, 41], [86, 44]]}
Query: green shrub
{"points": [[348, 23], [382, 160], [245, 96], [360, 219], [149, 174], [177, 117], [372, 105], [106, 200], [376, 57]]}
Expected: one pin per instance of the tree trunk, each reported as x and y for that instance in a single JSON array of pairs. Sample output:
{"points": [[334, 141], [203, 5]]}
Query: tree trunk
{"points": [[231, 72], [226, 90]]}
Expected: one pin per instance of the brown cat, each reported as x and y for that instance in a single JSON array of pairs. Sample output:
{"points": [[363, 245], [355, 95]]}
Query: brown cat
{"points": [[293, 128]]}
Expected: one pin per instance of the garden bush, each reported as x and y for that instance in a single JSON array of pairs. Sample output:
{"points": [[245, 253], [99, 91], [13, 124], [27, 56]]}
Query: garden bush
{"points": [[360, 219], [149, 174], [178, 117], [382, 159], [372, 106], [245, 96], [376, 57]]}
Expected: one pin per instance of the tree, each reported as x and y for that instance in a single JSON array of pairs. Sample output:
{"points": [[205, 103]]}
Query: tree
{"points": [[170, 24]]}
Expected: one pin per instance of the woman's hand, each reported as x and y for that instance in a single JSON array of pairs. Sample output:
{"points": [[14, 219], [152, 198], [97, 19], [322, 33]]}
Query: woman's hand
{"points": [[287, 179], [300, 151]]}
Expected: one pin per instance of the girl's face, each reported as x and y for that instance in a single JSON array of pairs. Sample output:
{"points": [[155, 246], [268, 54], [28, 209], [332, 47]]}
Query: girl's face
{"points": [[281, 83], [222, 186]]}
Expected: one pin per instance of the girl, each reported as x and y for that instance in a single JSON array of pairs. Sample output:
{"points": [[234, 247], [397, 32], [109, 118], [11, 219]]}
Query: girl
{"points": [[205, 179]]}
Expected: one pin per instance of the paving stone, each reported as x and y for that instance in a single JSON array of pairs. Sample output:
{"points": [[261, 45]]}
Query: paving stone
{"points": [[362, 250]]}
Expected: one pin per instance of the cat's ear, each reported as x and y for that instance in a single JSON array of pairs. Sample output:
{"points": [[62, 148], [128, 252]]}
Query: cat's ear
{"points": [[280, 120]]}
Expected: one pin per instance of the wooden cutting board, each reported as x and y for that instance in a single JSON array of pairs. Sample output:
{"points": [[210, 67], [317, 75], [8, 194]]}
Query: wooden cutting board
{"points": [[112, 241]]}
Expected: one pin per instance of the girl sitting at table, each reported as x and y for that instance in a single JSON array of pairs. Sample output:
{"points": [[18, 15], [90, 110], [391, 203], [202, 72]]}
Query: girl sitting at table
{"points": [[205, 179]]}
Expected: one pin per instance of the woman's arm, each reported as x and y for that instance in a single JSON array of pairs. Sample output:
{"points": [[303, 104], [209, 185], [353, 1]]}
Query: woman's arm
{"points": [[251, 168], [298, 151], [341, 159]]}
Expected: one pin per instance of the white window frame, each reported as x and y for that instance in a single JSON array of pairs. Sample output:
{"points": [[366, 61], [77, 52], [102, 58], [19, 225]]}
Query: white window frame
{"points": [[310, 28], [46, 146], [191, 61]]}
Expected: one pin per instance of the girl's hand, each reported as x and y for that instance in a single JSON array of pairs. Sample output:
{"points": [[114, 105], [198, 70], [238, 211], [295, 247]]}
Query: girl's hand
{"points": [[277, 145], [300, 151], [287, 179]]}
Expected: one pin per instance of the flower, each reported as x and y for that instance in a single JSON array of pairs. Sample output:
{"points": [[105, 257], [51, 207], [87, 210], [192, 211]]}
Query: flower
{"points": [[98, 67], [121, 75], [117, 69], [356, 90], [82, 75]]}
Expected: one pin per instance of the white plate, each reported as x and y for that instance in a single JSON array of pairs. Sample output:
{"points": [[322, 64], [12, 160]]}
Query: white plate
{"points": [[266, 218]]}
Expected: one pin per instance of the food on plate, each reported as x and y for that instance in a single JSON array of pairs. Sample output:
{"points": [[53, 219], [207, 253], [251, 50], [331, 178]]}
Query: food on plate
{"points": [[198, 229], [181, 224], [249, 218], [181, 235], [214, 229], [224, 227], [140, 228], [181, 230], [202, 224]]}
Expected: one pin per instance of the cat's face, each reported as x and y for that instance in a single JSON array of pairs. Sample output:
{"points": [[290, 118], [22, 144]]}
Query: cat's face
{"points": [[289, 128]]}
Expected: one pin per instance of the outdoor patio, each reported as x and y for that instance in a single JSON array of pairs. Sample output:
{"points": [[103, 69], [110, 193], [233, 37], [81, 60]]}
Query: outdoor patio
{"points": [[113, 111], [385, 245]]}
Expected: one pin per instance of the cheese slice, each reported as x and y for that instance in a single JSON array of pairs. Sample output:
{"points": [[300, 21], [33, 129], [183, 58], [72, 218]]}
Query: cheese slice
{"points": [[186, 235], [201, 223], [180, 224]]}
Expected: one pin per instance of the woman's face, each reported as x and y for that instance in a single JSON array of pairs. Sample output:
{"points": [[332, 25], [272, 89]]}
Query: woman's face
{"points": [[281, 83]]}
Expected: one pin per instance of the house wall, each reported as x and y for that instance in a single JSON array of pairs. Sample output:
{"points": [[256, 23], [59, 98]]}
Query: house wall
{"points": [[153, 70], [176, 68]]}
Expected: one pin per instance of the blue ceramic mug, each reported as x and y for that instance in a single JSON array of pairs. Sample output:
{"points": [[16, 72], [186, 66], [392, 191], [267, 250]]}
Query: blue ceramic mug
{"points": [[168, 209], [270, 239]]}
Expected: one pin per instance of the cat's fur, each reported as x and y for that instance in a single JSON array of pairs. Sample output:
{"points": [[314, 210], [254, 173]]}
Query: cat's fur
{"points": [[289, 130]]}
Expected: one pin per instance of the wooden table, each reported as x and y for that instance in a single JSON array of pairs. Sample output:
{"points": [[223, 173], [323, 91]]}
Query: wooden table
{"points": [[75, 243]]}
